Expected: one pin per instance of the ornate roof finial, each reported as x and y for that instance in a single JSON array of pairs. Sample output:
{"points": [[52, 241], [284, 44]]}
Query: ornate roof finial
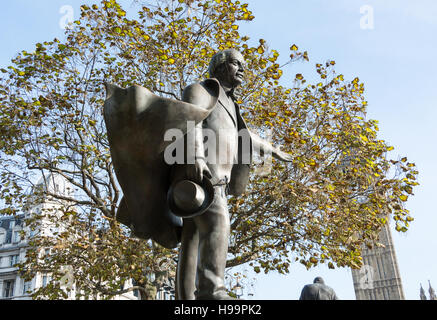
{"points": [[431, 291], [422, 293]]}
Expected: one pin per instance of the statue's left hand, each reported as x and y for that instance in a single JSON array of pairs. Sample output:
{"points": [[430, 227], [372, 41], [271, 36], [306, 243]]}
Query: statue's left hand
{"points": [[280, 155], [195, 172]]}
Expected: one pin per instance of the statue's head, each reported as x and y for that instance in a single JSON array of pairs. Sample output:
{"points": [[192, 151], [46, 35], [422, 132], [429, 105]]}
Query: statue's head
{"points": [[319, 280], [227, 66]]}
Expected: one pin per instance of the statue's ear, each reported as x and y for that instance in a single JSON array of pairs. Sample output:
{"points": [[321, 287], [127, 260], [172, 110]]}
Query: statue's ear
{"points": [[220, 71]]}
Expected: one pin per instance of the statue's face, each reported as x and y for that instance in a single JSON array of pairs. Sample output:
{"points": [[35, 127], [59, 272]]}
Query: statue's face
{"points": [[232, 74]]}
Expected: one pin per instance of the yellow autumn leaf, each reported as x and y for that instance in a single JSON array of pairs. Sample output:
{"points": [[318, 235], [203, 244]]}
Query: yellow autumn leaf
{"points": [[294, 48], [364, 138], [408, 189]]}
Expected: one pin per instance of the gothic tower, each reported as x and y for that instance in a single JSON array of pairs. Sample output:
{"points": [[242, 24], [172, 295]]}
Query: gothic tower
{"points": [[379, 278]]}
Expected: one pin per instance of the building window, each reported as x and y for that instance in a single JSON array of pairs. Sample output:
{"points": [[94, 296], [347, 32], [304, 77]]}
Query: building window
{"points": [[8, 288], [33, 232], [13, 260], [8, 237], [27, 287], [46, 254], [136, 293], [45, 280], [16, 236]]}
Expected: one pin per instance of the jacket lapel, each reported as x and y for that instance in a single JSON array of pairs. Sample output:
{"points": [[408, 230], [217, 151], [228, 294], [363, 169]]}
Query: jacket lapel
{"points": [[225, 102]]}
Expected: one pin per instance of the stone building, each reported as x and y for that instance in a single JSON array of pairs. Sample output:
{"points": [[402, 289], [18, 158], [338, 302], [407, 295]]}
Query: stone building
{"points": [[13, 248], [379, 277], [12, 251]]}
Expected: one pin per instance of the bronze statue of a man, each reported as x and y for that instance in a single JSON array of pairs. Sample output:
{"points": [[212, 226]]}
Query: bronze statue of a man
{"points": [[205, 237], [155, 204]]}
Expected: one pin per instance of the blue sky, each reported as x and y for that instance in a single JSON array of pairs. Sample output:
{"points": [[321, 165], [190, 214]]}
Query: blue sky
{"points": [[396, 61]]}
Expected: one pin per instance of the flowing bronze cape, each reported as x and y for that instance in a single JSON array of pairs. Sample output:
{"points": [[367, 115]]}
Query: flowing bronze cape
{"points": [[136, 121]]}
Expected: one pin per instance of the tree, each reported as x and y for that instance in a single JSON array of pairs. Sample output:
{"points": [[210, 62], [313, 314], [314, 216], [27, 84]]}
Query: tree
{"points": [[333, 198]]}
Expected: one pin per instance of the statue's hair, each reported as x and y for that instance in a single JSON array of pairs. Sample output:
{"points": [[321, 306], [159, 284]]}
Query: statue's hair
{"points": [[319, 280], [218, 59]]}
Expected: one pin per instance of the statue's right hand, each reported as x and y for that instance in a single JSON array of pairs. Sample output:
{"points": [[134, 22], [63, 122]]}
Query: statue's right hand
{"points": [[195, 172]]}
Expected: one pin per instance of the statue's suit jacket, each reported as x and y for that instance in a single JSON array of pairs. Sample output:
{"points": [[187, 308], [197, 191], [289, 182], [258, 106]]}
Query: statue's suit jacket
{"points": [[136, 121], [226, 122]]}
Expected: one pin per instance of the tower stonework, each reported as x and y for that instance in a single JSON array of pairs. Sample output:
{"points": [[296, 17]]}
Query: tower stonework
{"points": [[379, 278]]}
